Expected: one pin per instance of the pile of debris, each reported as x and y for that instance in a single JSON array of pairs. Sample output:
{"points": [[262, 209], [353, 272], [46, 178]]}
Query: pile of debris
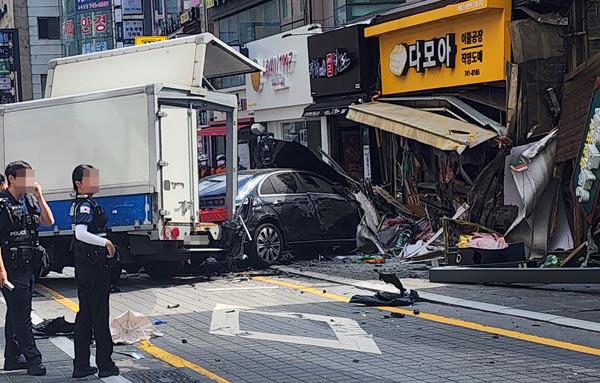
{"points": [[512, 216]]}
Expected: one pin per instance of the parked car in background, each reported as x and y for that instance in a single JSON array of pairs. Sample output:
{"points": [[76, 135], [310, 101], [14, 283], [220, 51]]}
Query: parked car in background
{"points": [[290, 209]]}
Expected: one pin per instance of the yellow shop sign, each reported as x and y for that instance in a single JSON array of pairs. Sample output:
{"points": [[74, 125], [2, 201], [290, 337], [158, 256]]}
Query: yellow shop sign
{"points": [[460, 44], [140, 40]]}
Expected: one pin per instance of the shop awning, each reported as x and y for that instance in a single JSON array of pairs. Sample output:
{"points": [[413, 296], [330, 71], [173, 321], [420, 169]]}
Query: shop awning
{"points": [[442, 132], [219, 128], [324, 109], [332, 106]]}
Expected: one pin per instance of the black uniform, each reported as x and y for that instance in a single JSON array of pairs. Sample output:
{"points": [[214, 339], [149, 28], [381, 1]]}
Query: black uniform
{"points": [[93, 284], [19, 222]]}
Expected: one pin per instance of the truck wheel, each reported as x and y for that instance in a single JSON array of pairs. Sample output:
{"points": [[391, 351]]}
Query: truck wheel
{"points": [[161, 269], [268, 244]]}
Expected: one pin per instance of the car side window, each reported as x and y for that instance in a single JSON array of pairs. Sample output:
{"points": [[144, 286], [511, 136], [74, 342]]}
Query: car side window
{"points": [[267, 187], [284, 183], [314, 184]]}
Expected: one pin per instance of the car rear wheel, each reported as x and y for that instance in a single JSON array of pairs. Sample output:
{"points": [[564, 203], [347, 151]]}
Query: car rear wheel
{"points": [[268, 244]]}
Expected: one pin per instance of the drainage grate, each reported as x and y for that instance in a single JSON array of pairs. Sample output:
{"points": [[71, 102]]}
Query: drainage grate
{"points": [[169, 375]]}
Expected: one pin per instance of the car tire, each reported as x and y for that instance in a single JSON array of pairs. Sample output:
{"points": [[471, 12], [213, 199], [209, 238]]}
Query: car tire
{"points": [[268, 244], [160, 270]]}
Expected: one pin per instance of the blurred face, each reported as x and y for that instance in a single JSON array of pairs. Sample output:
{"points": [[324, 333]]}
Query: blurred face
{"points": [[3, 186], [90, 183], [25, 181]]}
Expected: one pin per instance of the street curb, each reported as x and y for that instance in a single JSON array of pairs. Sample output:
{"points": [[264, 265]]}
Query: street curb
{"points": [[451, 301]]}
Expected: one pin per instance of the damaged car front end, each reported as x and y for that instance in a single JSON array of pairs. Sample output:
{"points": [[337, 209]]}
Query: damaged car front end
{"points": [[298, 201]]}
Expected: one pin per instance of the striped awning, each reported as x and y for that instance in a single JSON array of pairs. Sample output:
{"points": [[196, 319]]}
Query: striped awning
{"points": [[429, 128]]}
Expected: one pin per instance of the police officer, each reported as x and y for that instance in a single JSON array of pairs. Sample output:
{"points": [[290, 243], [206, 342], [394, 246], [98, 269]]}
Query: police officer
{"points": [[93, 254], [20, 215], [221, 165], [204, 169]]}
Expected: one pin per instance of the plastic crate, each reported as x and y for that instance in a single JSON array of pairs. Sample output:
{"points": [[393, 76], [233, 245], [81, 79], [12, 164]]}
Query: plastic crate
{"points": [[213, 215]]}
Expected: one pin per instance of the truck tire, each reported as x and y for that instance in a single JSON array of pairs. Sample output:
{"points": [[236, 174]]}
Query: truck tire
{"points": [[161, 269]]}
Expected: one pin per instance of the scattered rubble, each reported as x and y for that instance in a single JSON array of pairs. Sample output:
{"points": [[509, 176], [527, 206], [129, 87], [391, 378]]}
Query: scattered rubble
{"points": [[384, 298]]}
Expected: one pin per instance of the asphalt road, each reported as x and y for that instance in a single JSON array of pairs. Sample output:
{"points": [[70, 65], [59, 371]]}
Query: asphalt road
{"points": [[282, 329]]}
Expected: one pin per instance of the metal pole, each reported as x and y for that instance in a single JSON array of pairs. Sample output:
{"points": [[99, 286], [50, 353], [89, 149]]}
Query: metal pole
{"points": [[231, 142]]}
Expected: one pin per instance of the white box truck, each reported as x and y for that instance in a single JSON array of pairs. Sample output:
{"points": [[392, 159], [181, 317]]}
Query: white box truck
{"points": [[132, 113]]}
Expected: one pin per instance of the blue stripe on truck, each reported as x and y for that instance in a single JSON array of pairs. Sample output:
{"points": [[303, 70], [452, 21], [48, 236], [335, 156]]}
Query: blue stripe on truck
{"points": [[122, 210]]}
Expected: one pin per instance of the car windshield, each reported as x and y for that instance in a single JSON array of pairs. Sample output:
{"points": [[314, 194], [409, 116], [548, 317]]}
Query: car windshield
{"points": [[215, 185]]}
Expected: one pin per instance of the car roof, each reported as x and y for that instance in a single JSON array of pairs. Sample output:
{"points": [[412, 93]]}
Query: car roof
{"points": [[255, 172]]}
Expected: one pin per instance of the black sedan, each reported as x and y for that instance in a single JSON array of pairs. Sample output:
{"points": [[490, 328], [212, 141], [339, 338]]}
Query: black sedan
{"points": [[290, 209]]}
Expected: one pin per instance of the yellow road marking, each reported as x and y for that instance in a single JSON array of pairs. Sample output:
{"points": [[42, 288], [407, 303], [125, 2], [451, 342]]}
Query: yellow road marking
{"points": [[68, 303], [449, 321], [176, 361], [151, 349]]}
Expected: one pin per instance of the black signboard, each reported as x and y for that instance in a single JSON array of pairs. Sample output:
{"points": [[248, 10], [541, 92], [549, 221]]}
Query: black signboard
{"points": [[342, 61], [10, 67]]}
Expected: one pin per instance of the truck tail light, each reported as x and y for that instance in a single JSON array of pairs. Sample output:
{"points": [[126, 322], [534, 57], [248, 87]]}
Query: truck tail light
{"points": [[167, 233], [175, 233]]}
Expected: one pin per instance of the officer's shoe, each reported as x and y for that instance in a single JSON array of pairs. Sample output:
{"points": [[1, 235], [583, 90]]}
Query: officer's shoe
{"points": [[113, 371], [16, 364], [83, 372], [37, 370]]}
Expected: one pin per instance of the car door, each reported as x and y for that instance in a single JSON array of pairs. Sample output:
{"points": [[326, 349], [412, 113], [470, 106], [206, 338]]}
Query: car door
{"points": [[284, 193], [337, 214]]}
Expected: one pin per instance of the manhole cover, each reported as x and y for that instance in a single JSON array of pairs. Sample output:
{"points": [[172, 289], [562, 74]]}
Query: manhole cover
{"points": [[170, 375]]}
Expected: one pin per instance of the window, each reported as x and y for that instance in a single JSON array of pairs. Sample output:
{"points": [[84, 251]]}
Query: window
{"points": [[291, 12], [158, 7], [264, 20], [314, 184], [308, 133], [267, 187], [282, 183], [348, 10], [48, 28], [43, 79], [249, 25]]}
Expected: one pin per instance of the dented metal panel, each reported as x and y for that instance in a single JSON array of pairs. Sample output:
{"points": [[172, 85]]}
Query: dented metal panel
{"points": [[428, 128]]}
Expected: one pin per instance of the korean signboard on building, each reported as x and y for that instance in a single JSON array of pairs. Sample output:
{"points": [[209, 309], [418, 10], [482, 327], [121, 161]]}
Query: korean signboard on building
{"points": [[284, 83], [341, 62], [132, 29], [87, 26], [132, 7], [587, 168], [91, 5], [10, 68], [460, 44]]}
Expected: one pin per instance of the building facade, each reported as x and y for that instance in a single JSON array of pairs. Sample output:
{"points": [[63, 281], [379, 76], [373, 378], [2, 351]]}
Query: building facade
{"points": [[89, 26], [249, 26], [36, 22]]}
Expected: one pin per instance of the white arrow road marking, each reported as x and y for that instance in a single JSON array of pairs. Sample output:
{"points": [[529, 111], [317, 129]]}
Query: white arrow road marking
{"points": [[350, 336]]}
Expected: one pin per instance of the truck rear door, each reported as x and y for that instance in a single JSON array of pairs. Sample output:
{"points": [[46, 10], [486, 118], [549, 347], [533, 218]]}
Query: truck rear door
{"points": [[179, 164]]}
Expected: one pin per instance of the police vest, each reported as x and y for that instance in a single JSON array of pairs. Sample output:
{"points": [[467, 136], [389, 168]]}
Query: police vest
{"points": [[23, 226], [99, 217]]}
